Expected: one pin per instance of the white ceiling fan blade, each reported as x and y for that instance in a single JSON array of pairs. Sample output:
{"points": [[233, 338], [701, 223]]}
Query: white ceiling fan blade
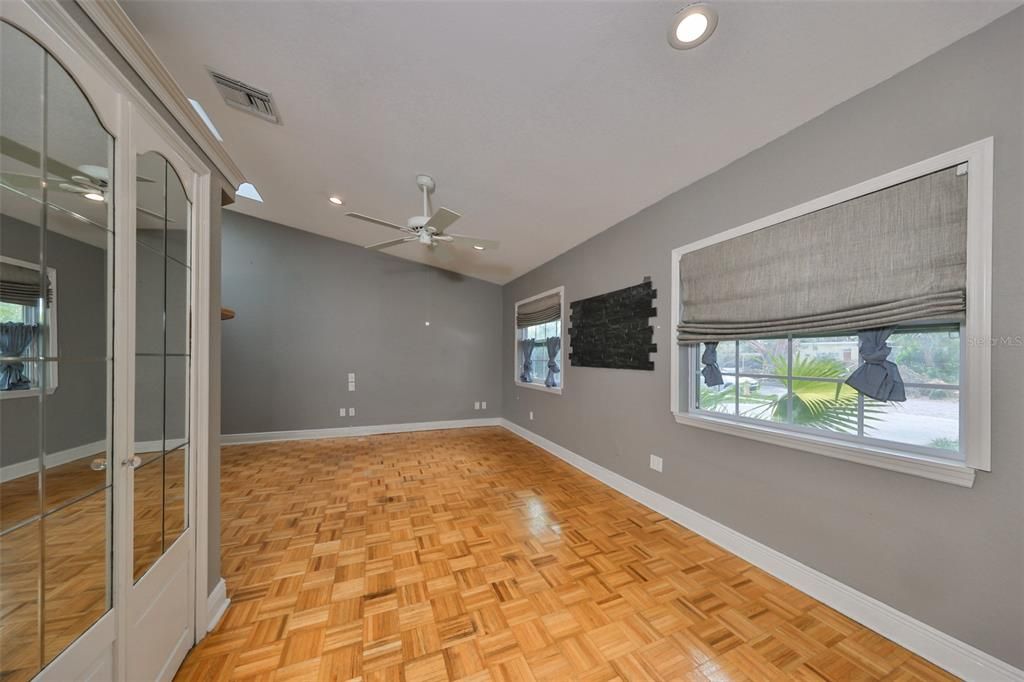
{"points": [[476, 241], [442, 219], [391, 242], [377, 221]]}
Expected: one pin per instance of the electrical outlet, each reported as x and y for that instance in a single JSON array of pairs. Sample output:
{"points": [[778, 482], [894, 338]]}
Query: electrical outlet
{"points": [[341, 412], [483, 405], [351, 411], [531, 415], [656, 463], [476, 405], [351, 386]]}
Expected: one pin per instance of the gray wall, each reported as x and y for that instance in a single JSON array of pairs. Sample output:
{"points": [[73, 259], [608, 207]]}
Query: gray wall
{"points": [[76, 411], [949, 556], [311, 310]]}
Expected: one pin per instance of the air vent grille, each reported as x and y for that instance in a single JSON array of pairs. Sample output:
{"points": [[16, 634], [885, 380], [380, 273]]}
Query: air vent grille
{"points": [[245, 97]]}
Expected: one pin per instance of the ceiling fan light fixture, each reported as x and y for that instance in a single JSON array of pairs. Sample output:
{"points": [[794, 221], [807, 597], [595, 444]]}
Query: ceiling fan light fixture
{"points": [[336, 200], [93, 196], [691, 26]]}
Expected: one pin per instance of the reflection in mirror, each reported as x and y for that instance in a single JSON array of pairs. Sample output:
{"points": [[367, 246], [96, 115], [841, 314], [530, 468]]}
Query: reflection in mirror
{"points": [[75, 421], [148, 515], [21, 121], [76, 580], [177, 308], [149, 301], [162, 362], [20, 559], [79, 153], [56, 261], [174, 496], [178, 217], [150, 201]]}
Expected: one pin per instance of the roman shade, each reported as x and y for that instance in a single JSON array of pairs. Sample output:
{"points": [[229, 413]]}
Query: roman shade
{"points": [[891, 256], [21, 285], [538, 311]]}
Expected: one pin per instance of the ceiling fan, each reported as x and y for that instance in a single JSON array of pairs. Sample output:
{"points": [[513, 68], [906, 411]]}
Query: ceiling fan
{"points": [[427, 229]]}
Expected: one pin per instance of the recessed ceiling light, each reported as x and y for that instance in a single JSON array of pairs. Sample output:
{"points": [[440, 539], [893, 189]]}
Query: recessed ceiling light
{"points": [[478, 247], [93, 196], [336, 200], [692, 26], [427, 323]]}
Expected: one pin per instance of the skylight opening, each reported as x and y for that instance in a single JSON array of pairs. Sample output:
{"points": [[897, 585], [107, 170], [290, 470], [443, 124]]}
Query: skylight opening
{"points": [[249, 191], [206, 119]]}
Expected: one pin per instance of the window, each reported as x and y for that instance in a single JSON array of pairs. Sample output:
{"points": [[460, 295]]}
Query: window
{"points": [[538, 347], [799, 383], [788, 307], [24, 329]]}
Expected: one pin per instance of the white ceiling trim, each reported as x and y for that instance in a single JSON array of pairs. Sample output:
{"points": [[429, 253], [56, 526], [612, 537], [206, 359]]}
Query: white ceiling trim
{"points": [[118, 28]]}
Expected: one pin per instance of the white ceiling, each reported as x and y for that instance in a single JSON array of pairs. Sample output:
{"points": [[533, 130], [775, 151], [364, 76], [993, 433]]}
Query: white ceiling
{"points": [[544, 123]]}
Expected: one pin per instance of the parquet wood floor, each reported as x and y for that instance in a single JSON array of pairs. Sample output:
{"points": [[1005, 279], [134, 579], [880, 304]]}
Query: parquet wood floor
{"points": [[474, 555]]}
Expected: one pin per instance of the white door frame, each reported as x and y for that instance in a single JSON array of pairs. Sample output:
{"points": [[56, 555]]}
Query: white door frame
{"points": [[116, 100]]}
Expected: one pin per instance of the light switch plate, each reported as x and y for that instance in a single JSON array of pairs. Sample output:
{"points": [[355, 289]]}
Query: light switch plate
{"points": [[351, 377], [656, 463], [351, 411], [476, 405], [531, 415], [483, 404]]}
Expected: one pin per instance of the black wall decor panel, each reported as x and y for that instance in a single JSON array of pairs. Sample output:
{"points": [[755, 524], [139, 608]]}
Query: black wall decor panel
{"points": [[613, 330]]}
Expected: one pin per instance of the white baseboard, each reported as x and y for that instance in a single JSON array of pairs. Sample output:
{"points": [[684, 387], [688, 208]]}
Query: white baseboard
{"points": [[345, 431], [945, 651], [216, 604]]}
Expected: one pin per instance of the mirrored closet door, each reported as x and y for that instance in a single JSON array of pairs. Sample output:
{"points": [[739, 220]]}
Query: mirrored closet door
{"points": [[98, 217], [56, 339]]}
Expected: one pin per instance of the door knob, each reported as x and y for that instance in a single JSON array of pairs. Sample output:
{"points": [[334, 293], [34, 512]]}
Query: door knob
{"points": [[98, 464], [134, 462]]}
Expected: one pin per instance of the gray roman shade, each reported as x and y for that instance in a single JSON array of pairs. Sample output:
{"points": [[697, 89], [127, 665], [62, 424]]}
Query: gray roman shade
{"points": [[891, 256], [539, 311], [21, 285]]}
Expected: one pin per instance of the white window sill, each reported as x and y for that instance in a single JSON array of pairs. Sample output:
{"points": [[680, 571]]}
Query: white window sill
{"points": [[933, 468], [25, 393], [557, 390]]}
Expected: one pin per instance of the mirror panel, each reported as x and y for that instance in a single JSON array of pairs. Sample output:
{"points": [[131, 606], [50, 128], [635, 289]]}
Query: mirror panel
{"points": [[148, 515], [20, 569], [162, 364], [56, 260], [77, 587], [179, 216], [22, 62], [175, 513]]}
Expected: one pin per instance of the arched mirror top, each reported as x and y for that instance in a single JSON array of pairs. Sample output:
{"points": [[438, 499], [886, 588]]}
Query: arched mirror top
{"points": [[54, 145], [164, 212], [148, 142]]}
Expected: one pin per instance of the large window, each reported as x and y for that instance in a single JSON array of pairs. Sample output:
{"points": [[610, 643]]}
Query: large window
{"points": [[538, 346], [799, 382], [856, 325]]}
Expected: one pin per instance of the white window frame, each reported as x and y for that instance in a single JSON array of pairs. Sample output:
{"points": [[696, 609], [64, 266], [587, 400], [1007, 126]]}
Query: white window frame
{"points": [[51, 343], [562, 333], [975, 336]]}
